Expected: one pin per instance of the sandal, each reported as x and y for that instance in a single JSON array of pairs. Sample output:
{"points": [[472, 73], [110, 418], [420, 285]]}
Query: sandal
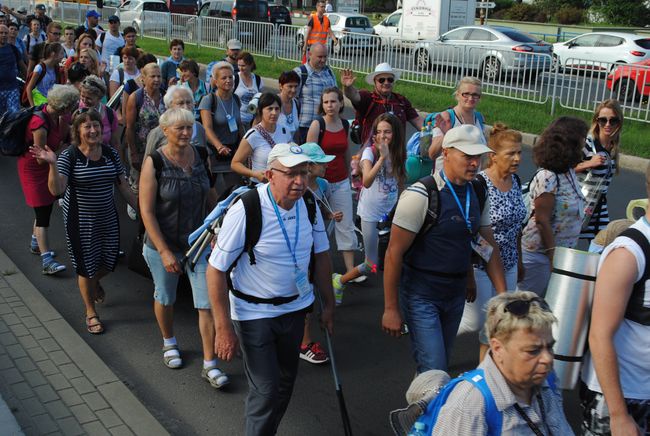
{"points": [[100, 295], [167, 360], [96, 327], [219, 380]]}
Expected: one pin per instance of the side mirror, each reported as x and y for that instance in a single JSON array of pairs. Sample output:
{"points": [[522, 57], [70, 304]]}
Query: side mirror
{"points": [[442, 38]]}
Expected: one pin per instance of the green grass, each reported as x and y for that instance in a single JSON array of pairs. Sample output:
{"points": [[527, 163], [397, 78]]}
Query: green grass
{"points": [[523, 116]]}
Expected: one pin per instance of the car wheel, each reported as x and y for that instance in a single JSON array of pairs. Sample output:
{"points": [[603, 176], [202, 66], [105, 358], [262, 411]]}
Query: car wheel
{"points": [[491, 69], [300, 40], [556, 65], [625, 89], [422, 62]]}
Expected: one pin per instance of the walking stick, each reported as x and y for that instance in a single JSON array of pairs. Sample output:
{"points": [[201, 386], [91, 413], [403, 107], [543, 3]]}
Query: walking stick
{"points": [[347, 427]]}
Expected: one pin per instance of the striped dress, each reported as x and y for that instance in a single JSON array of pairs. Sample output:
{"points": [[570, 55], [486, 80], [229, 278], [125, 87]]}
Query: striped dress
{"points": [[89, 212], [605, 172]]}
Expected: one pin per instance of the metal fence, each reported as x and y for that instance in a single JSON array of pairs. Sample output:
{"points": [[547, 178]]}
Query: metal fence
{"points": [[523, 76]]}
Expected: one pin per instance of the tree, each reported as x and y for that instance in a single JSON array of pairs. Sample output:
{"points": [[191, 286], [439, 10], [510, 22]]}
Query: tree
{"points": [[550, 7], [623, 12]]}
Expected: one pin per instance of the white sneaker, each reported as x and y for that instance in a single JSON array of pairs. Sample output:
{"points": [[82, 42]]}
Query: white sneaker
{"points": [[131, 212], [359, 279]]}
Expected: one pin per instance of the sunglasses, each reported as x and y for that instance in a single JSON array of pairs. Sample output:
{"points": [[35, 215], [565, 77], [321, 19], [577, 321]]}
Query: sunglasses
{"points": [[385, 79], [602, 121], [87, 82], [520, 308], [473, 95]]}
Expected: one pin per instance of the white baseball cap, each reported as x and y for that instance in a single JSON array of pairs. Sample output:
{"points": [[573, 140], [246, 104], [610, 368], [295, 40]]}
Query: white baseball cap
{"points": [[467, 138], [288, 155]]}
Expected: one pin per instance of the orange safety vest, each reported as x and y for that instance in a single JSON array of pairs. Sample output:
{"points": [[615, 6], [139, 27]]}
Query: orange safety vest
{"points": [[318, 31]]}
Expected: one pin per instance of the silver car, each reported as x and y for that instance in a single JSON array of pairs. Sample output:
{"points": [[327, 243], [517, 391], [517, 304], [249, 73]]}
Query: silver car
{"points": [[144, 15], [491, 50], [353, 31]]}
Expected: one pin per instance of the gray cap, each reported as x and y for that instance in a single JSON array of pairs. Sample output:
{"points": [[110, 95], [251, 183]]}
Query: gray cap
{"points": [[233, 44], [467, 138]]}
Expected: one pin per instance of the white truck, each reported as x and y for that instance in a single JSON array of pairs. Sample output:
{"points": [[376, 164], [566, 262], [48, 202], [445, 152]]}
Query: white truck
{"points": [[419, 20]]}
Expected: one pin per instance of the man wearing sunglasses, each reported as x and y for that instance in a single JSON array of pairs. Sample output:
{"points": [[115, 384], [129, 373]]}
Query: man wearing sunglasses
{"points": [[265, 309], [369, 105], [428, 267], [615, 393]]}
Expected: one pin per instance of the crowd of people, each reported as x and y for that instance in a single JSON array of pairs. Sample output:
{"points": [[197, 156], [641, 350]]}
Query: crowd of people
{"points": [[173, 145]]}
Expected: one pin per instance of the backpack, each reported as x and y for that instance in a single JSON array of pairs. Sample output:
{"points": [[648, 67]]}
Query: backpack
{"points": [[13, 126], [139, 97], [493, 417], [525, 193], [106, 152], [321, 124], [59, 79], [636, 309], [304, 75], [258, 81], [203, 155]]}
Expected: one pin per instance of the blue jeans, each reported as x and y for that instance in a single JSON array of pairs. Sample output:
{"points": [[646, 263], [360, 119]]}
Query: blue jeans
{"points": [[432, 307]]}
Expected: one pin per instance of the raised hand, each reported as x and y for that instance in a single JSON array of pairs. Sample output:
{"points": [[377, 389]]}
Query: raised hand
{"points": [[43, 153], [347, 77]]}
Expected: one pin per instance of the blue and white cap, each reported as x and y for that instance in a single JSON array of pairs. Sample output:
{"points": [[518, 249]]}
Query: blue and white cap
{"points": [[288, 155]]}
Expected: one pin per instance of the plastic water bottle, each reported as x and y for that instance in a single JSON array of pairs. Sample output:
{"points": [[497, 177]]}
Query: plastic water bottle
{"points": [[418, 429], [425, 139], [383, 227]]}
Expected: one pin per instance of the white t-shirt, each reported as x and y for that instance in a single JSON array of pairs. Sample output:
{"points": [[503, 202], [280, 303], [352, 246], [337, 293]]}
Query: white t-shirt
{"points": [[632, 340], [291, 121], [379, 199], [115, 75], [110, 44], [261, 148], [69, 52], [273, 273], [246, 94]]}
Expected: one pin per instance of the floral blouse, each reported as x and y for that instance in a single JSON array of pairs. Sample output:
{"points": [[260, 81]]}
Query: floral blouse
{"points": [[566, 220]]}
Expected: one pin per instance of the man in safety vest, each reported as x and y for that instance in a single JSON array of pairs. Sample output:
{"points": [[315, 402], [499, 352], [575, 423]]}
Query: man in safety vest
{"points": [[318, 28]]}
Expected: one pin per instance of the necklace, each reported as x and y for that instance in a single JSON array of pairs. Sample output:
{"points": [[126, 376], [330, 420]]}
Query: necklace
{"points": [[187, 167]]}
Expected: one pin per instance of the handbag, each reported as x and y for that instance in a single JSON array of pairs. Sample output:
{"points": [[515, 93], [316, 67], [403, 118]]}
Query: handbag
{"points": [[136, 261]]}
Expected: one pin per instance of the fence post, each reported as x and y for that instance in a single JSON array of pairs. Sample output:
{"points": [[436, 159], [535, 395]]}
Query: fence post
{"points": [[78, 12], [553, 81], [170, 26], [558, 35], [199, 31]]}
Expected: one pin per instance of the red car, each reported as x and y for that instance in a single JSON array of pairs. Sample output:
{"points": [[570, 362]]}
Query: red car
{"points": [[630, 82]]}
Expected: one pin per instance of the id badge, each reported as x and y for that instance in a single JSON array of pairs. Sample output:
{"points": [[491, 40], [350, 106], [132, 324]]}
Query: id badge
{"points": [[232, 124], [482, 247], [302, 282]]}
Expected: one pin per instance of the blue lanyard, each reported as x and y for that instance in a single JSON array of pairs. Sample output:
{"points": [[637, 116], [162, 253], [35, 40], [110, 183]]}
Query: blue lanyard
{"points": [[465, 213], [284, 230]]}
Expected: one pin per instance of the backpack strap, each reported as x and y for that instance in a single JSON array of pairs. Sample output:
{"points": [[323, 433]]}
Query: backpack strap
{"points": [[102, 37], [433, 210], [120, 74], [139, 99], [304, 75], [636, 310], [157, 163], [253, 211], [41, 74], [110, 114], [322, 127], [479, 184], [203, 154], [108, 152], [236, 82], [258, 81]]}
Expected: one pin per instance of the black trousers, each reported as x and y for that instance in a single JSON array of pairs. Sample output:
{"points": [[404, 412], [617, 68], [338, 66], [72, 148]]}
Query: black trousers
{"points": [[271, 348]]}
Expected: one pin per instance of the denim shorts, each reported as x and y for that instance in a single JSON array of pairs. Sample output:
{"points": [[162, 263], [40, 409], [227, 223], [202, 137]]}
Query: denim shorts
{"points": [[165, 283]]}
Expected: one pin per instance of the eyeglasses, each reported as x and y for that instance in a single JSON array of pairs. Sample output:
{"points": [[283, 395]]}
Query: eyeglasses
{"points": [[293, 174], [56, 33], [385, 79], [520, 308], [472, 95], [602, 121]]}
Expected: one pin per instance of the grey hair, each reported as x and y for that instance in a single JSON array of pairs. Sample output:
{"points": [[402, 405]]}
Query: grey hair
{"points": [[222, 65], [94, 85], [175, 115], [63, 97], [501, 324], [169, 95]]}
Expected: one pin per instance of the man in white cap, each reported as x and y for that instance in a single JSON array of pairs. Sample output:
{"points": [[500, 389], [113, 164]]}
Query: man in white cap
{"points": [[233, 48], [428, 260], [271, 290], [369, 105]]}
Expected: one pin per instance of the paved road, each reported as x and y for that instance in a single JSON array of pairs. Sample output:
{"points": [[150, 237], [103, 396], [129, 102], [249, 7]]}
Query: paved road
{"points": [[375, 370]]}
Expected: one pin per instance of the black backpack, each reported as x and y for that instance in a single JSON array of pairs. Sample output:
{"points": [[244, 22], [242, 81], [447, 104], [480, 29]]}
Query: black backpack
{"points": [[203, 155], [13, 126], [321, 125]]}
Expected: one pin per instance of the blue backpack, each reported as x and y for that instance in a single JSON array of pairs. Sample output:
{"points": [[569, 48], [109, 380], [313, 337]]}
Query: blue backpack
{"points": [[493, 417]]}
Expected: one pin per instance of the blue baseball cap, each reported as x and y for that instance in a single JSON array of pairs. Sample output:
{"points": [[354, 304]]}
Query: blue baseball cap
{"points": [[92, 13], [316, 153]]}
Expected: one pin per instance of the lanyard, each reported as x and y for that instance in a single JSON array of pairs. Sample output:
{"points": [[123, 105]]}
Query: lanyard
{"points": [[530, 422], [464, 213], [228, 113], [284, 230]]}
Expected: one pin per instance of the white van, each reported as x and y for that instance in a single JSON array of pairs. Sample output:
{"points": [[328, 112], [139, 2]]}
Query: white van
{"points": [[424, 20]]}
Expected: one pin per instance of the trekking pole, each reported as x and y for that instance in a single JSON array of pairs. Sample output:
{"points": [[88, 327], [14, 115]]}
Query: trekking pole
{"points": [[347, 427]]}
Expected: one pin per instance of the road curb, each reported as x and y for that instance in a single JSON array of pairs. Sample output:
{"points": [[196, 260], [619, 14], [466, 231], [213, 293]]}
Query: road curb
{"points": [[102, 379]]}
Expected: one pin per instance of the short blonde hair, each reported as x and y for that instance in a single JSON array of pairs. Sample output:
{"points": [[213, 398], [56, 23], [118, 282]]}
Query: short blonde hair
{"points": [[501, 324], [467, 80], [175, 115], [147, 68], [63, 97], [222, 65]]}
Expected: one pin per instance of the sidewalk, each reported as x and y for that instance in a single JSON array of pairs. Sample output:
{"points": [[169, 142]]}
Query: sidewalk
{"points": [[50, 379]]}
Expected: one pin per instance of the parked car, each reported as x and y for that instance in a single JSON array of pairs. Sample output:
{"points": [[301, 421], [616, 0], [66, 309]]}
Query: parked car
{"points": [[630, 82], [353, 31], [154, 12], [280, 14], [249, 12], [491, 50], [598, 50]]}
